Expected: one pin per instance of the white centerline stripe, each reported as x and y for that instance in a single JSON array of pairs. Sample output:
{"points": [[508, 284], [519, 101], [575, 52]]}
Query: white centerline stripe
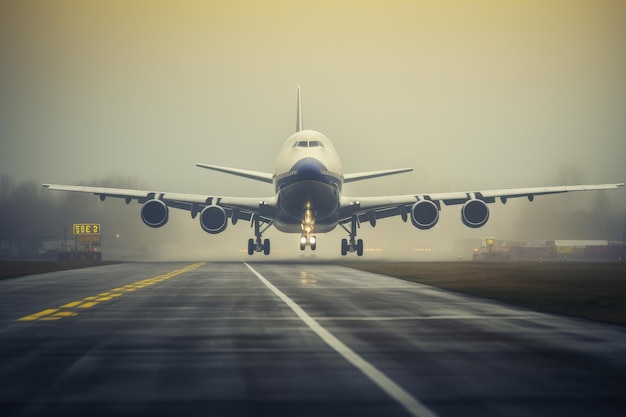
{"points": [[410, 403]]}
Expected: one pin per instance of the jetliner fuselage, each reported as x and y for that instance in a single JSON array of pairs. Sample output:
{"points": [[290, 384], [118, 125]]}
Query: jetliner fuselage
{"points": [[308, 175]]}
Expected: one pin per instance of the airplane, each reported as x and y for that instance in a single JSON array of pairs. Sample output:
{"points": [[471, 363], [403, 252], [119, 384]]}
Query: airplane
{"points": [[308, 181]]}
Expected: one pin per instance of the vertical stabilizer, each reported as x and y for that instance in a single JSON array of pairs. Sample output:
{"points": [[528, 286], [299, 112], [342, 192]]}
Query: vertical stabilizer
{"points": [[299, 115]]}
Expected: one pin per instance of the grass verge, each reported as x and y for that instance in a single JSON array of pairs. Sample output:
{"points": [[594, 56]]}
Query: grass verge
{"points": [[14, 269], [595, 291]]}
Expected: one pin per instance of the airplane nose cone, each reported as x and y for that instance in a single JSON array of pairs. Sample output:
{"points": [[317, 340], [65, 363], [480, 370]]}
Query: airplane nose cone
{"points": [[309, 169]]}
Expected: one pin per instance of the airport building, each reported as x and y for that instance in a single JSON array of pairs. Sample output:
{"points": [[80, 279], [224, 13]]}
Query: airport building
{"points": [[555, 250]]}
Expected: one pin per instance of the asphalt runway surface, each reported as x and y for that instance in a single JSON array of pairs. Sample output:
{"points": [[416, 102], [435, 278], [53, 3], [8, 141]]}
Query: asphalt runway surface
{"points": [[232, 339]]}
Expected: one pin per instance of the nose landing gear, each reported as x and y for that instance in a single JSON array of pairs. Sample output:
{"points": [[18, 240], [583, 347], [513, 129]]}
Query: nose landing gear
{"points": [[307, 226], [308, 240]]}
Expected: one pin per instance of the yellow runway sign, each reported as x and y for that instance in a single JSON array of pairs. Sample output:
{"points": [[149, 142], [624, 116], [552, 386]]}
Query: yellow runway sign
{"points": [[87, 229]]}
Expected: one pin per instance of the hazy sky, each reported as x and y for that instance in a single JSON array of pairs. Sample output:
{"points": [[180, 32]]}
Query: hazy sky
{"points": [[473, 94]]}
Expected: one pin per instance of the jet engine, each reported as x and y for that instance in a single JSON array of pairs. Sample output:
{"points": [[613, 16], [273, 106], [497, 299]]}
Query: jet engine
{"points": [[424, 214], [154, 213], [474, 213], [213, 219]]}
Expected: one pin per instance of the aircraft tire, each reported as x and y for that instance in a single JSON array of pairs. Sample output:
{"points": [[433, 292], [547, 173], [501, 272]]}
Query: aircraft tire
{"points": [[266, 247], [344, 247], [250, 246], [359, 247]]}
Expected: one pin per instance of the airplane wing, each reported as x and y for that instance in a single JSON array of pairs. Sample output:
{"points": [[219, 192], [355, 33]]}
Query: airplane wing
{"points": [[373, 208], [235, 207], [254, 175], [373, 174]]}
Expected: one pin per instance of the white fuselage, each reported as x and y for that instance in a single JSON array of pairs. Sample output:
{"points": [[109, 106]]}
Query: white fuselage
{"points": [[307, 173]]}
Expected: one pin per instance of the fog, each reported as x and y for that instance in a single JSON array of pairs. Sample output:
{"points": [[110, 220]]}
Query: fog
{"points": [[473, 95]]}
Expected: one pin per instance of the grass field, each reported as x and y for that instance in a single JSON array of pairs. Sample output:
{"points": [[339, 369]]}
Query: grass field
{"points": [[595, 291]]}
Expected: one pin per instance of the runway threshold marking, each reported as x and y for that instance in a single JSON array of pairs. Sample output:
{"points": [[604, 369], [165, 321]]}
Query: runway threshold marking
{"points": [[66, 309], [406, 400]]}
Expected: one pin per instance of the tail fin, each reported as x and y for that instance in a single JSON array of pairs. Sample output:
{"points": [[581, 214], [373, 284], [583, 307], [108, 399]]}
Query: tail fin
{"points": [[299, 114]]}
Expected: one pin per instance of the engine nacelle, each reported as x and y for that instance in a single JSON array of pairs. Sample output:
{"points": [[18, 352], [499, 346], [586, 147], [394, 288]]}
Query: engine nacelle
{"points": [[474, 213], [424, 214], [154, 213], [213, 219]]}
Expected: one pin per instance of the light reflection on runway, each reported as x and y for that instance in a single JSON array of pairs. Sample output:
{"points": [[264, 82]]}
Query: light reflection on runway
{"points": [[214, 340]]}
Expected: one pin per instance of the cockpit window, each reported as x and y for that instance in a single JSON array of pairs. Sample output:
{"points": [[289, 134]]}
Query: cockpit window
{"points": [[308, 144]]}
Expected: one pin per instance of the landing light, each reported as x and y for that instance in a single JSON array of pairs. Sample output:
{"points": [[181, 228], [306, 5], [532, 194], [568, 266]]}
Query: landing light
{"points": [[312, 240], [303, 240]]}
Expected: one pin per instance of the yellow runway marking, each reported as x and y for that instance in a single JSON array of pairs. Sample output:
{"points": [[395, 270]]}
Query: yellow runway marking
{"points": [[65, 314], [88, 302], [71, 305], [39, 315]]}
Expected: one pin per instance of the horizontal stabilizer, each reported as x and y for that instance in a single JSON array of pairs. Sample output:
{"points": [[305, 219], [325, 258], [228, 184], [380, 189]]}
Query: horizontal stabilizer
{"points": [[373, 174], [253, 175]]}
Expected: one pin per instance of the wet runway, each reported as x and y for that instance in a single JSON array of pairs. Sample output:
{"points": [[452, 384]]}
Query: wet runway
{"points": [[231, 339]]}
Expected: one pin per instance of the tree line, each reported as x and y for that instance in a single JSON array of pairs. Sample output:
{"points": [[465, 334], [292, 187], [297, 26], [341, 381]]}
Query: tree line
{"points": [[28, 210]]}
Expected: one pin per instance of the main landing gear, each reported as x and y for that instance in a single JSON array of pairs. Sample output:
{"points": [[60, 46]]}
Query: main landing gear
{"points": [[351, 244], [259, 245]]}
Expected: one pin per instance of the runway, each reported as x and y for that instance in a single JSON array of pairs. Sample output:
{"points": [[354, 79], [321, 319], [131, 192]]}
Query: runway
{"points": [[232, 339]]}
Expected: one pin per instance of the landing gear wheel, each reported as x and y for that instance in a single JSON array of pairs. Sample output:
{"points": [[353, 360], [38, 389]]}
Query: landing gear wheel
{"points": [[313, 246], [302, 246], [251, 246], [266, 247], [359, 247], [344, 247]]}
